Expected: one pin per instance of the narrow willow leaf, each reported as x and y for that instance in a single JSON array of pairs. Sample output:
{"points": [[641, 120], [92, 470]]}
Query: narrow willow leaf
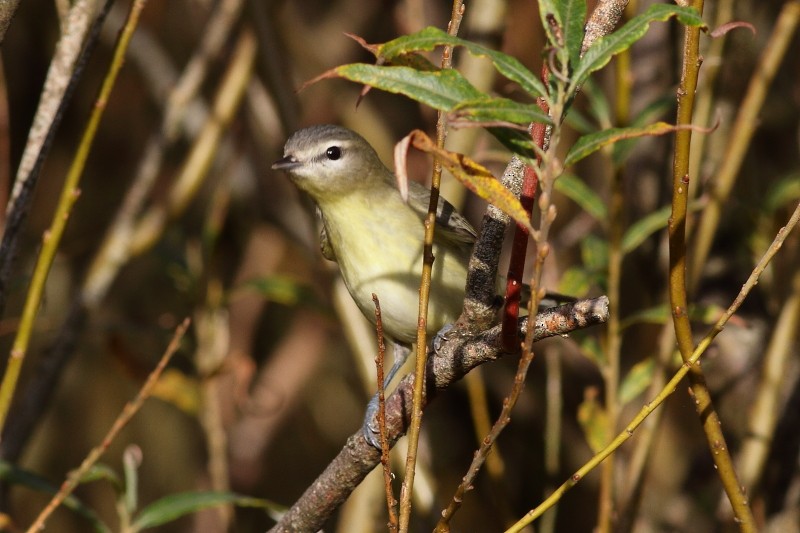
{"points": [[431, 37], [784, 191], [601, 52], [490, 110], [170, 508], [441, 90], [579, 122], [644, 228], [550, 14], [576, 190], [13, 475], [101, 472], [599, 106], [637, 380], [410, 59], [652, 315], [519, 142], [588, 144], [660, 314], [652, 112], [573, 17]]}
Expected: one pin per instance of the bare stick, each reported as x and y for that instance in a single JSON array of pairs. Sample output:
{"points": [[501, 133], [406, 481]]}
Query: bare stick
{"points": [[130, 409], [384, 439]]}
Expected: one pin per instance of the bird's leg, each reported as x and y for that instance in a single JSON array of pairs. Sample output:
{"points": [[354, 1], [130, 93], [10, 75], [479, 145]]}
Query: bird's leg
{"points": [[370, 427], [401, 353]]}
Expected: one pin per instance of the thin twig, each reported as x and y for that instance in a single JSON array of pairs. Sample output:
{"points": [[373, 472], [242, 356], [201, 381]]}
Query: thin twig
{"points": [[610, 367], [130, 409], [391, 503], [454, 359], [196, 166], [548, 169], [424, 294], [115, 249], [665, 345], [677, 281], [766, 405], [742, 132], [65, 71], [52, 237], [673, 383]]}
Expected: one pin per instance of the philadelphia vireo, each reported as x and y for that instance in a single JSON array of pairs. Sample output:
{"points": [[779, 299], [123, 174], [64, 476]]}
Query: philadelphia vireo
{"points": [[376, 237]]}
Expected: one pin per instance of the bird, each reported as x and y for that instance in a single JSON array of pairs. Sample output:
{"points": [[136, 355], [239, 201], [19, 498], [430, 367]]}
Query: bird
{"points": [[375, 236]]}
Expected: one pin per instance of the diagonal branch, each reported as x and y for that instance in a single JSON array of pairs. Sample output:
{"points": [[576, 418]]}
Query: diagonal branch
{"points": [[451, 362]]}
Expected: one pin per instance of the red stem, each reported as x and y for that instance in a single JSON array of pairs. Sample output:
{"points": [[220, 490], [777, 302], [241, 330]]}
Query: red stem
{"points": [[516, 265]]}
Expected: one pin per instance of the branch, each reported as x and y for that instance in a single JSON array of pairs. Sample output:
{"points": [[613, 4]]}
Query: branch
{"points": [[452, 361]]}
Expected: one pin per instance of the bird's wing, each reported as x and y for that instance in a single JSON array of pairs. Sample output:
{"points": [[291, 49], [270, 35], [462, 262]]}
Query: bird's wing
{"points": [[324, 242], [450, 224]]}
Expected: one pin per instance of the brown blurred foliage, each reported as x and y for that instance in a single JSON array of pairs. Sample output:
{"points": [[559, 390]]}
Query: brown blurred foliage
{"points": [[267, 387]]}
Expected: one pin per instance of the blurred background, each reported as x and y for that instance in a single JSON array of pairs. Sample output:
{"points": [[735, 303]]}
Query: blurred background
{"points": [[277, 368]]}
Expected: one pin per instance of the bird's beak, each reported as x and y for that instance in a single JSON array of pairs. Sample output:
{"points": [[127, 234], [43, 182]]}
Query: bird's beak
{"points": [[286, 163]]}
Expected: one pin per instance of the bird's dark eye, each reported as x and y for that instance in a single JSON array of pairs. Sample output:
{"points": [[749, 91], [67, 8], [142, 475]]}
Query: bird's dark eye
{"points": [[333, 153]]}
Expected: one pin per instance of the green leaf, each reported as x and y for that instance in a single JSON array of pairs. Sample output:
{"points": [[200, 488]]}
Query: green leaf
{"points": [[490, 109], [17, 476], [101, 472], [573, 17], [175, 506], [601, 52], [574, 281], [588, 144], [599, 105], [519, 142], [655, 110], [653, 315], [660, 314], [637, 380], [553, 25], [644, 228], [284, 290], [594, 253], [785, 190], [441, 90], [431, 37], [576, 190]]}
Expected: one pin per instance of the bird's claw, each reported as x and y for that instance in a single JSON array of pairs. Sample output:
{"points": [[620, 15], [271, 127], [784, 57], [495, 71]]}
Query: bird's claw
{"points": [[370, 428]]}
